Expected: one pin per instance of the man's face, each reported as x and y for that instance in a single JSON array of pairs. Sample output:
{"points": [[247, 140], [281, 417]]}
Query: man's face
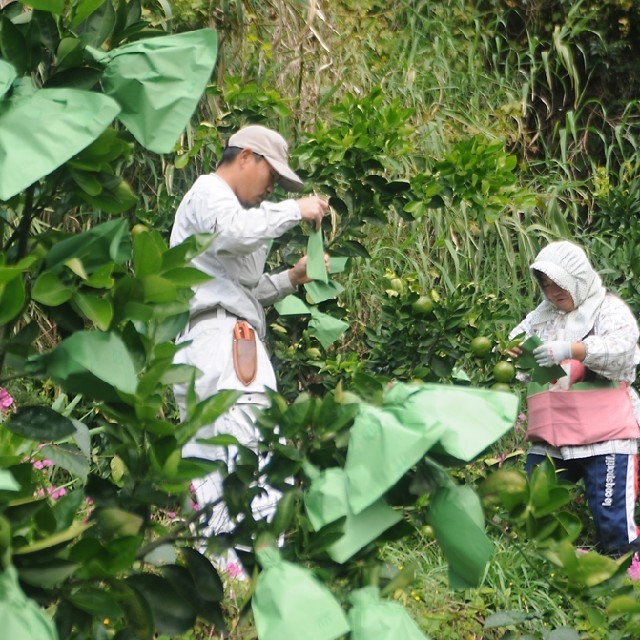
{"points": [[258, 180]]}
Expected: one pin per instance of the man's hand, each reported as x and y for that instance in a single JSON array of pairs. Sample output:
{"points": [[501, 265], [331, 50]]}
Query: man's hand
{"points": [[298, 273], [313, 208], [553, 352]]}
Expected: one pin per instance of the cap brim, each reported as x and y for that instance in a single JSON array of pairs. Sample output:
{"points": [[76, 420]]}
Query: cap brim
{"points": [[286, 178]]}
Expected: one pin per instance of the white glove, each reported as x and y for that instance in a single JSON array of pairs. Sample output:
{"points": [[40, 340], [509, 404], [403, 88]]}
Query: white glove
{"points": [[551, 353]]}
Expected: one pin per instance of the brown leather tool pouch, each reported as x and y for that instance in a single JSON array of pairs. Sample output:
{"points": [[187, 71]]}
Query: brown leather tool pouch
{"points": [[245, 352]]}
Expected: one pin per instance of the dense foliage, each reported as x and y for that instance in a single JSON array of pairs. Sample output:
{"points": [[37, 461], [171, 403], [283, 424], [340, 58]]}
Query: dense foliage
{"points": [[452, 139]]}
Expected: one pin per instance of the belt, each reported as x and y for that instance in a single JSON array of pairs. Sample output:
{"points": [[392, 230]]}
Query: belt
{"points": [[208, 314]]}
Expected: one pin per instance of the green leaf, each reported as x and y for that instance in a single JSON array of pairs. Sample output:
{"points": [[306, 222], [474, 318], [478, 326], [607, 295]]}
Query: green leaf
{"points": [[147, 255], [69, 53], [40, 423], [52, 541], [98, 602], [114, 198], [50, 575], [136, 610], [98, 310], [206, 411], [171, 613], [68, 457], [13, 46], [87, 181], [158, 289], [49, 289], [119, 523], [505, 619], [12, 299], [205, 577], [186, 276], [52, 6], [103, 244], [92, 363]]}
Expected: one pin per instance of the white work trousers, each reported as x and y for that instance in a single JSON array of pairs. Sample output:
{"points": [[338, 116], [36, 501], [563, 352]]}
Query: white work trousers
{"points": [[211, 353]]}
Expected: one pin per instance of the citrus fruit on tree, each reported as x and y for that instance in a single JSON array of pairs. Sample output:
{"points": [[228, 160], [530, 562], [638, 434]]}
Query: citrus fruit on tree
{"points": [[396, 284], [504, 371], [422, 306], [138, 229], [481, 346], [500, 386]]}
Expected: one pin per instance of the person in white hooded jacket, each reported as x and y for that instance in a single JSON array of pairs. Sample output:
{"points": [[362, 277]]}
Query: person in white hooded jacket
{"points": [[589, 433]]}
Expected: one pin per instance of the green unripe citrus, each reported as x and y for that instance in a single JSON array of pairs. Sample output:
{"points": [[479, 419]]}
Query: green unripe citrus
{"points": [[504, 371], [422, 306], [139, 228], [481, 346]]}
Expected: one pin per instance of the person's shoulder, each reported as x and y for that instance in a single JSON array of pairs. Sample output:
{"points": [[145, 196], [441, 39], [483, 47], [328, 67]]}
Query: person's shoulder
{"points": [[614, 303]]}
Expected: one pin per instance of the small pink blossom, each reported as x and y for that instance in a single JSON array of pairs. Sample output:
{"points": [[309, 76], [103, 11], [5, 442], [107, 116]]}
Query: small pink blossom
{"points": [[57, 493], [234, 569], [5, 399], [171, 515], [41, 464], [634, 569]]}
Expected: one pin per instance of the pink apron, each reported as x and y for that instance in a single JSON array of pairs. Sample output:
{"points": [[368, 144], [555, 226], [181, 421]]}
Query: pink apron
{"points": [[587, 415]]}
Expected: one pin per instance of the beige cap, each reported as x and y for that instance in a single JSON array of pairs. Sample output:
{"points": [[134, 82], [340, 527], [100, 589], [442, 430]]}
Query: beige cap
{"points": [[273, 147]]}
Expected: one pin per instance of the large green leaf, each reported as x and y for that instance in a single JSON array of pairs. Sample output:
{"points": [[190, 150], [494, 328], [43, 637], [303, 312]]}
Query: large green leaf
{"points": [[98, 26], [12, 299], [105, 243], [68, 457], [98, 310], [205, 577], [98, 602], [49, 575], [50, 290], [13, 46], [171, 613], [92, 363], [52, 6], [40, 423]]}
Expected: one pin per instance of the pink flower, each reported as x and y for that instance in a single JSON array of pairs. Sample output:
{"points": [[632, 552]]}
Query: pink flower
{"points": [[634, 570], [234, 569], [5, 398], [41, 464], [171, 515], [57, 493]]}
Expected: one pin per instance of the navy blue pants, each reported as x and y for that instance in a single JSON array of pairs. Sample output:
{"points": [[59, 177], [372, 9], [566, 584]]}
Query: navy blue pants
{"points": [[611, 490]]}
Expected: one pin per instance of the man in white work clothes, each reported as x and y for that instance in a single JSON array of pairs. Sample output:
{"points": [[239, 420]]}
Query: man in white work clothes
{"points": [[227, 319]]}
